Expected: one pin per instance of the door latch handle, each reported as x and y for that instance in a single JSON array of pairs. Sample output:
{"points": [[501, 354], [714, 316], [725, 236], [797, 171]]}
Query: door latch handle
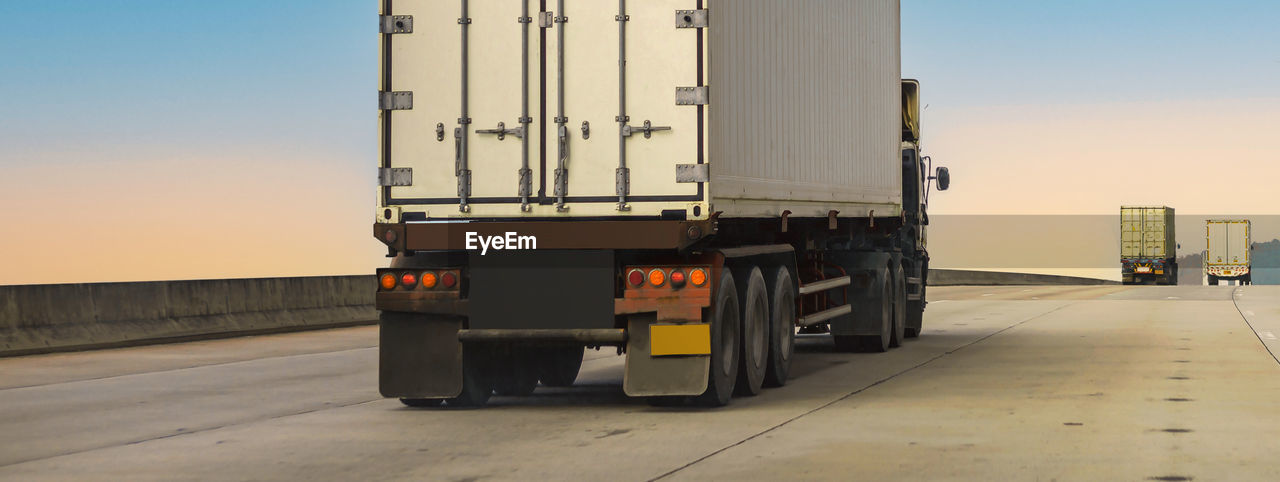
{"points": [[457, 150], [648, 129], [502, 131]]}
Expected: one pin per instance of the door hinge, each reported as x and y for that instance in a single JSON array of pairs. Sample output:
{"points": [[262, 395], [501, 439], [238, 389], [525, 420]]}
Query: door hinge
{"points": [[700, 95], [395, 176], [401, 100], [392, 24], [693, 172], [691, 18]]}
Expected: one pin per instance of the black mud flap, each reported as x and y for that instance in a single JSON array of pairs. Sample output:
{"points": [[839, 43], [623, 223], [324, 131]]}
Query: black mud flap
{"points": [[419, 356], [864, 296], [648, 376]]}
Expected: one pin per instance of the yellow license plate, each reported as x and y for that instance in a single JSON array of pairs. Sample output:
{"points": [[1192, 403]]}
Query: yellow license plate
{"points": [[1159, 271], [690, 339]]}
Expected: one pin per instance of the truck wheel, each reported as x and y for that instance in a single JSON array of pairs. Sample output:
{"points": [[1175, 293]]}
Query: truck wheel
{"points": [[755, 335], [559, 366], [725, 325], [782, 330], [1213, 280], [899, 304], [476, 384], [880, 343]]}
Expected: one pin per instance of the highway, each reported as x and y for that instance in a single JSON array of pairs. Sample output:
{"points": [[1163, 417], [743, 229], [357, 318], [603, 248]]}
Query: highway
{"points": [[1006, 383]]}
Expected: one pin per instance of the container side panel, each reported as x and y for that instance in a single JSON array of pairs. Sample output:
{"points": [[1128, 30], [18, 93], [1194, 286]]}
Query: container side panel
{"points": [[806, 106]]}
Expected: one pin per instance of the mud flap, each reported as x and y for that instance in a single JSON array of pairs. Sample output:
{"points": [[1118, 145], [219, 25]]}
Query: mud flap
{"points": [[419, 356], [865, 297], [647, 375]]}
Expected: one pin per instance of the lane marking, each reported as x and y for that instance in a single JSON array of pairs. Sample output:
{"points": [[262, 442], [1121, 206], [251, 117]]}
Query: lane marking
{"points": [[1172, 298], [988, 294], [1247, 312], [1268, 335]]}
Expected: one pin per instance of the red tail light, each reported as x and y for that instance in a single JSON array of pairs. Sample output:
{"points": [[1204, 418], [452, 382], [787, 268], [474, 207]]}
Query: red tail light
{"points": [[449, 280], [409, 280], [636, 278], [677, 278]]}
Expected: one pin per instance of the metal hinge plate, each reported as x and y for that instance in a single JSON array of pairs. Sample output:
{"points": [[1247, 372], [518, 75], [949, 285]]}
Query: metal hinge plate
{"points": [[395, 176], [700, 95], [391, 24], [691, 18], [401, 100], [693, 172], [546, 19]]}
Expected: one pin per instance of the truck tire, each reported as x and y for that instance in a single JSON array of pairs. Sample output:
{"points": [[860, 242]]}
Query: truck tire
{"points": [[477, 386], [1213, 280], [725, 326], [899, 305], [559, 366], [755, 335], [880, 343], [782, 329]]}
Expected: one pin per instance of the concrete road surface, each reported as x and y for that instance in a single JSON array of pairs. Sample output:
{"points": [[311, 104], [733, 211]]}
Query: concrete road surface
{"points": [[1007, 383]]}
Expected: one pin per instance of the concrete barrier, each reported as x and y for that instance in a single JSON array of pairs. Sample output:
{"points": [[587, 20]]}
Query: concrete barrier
{"points": [[49, 318], [960, 277]]}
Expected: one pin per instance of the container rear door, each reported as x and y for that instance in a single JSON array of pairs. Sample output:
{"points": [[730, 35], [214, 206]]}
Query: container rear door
{"points": [[1130, 233], [472, 70], [1216, 236], [1153, 233], [618, 134], [1237, 242], [541, 108]]}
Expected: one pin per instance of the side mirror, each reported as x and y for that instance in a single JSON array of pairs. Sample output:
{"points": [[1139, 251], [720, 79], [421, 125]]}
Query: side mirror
{"points": [[944, 178]]}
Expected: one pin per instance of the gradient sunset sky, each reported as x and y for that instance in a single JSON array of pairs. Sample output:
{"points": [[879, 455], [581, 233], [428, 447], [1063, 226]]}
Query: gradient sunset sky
{"points": [[151, 140]]}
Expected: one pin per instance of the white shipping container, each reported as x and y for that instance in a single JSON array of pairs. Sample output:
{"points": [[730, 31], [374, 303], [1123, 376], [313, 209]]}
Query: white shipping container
{"points": [[639, 108], [1228, 242]]}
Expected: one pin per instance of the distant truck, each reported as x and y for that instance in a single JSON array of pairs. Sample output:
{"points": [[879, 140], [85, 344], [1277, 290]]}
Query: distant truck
{"points": [[1148, 248], [1227, 257], [688, 185]]}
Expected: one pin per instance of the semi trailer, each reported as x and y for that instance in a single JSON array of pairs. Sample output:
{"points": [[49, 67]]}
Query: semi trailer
{"points": [[1148, 247], [689, 182], [1228, 248]]}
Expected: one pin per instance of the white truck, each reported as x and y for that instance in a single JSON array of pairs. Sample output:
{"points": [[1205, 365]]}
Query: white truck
{"points": [[1227, 257], [689, 181]]}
